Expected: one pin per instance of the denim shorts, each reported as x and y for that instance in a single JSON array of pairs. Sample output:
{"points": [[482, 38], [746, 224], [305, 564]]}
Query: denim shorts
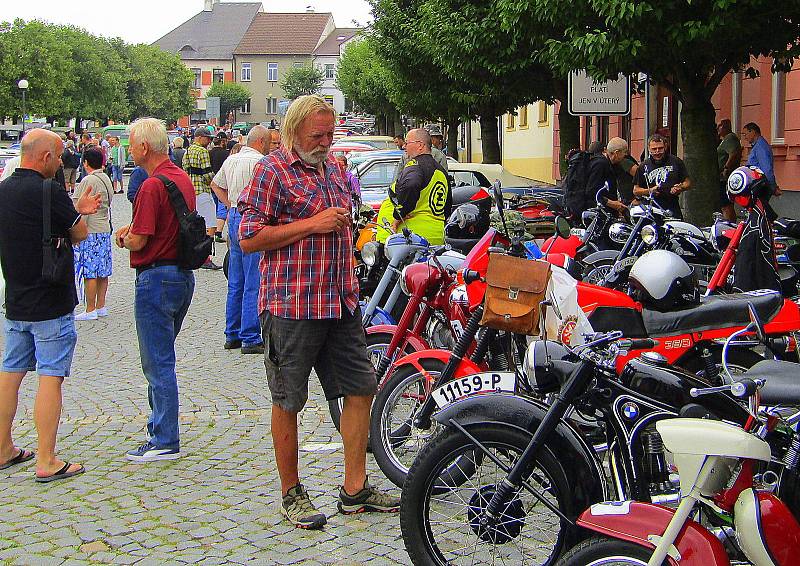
{"points": [[116, 173], [46, 346]]}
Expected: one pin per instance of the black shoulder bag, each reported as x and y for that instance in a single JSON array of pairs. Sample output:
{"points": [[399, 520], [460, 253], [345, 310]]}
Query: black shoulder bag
{"points": [[57, 266], [194, 243]]}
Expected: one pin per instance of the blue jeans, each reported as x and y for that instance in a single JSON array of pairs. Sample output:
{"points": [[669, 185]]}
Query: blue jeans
{"points": [[244, 280], [46, 346], [163, 295]]}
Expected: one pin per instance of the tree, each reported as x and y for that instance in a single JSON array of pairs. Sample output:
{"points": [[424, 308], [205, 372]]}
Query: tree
{"points": [[689, 47], [231, 96], [159, 84], [302, 80], [363, 78], [34, 51]]}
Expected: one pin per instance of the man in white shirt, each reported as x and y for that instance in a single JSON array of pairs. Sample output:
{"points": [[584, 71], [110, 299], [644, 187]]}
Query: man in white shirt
{"points": [[242, 327]]}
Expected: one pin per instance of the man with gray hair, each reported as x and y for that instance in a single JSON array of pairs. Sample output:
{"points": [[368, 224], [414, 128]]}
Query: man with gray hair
{"points": [[242, 329], [163, 288], [601, 171], [296, 210]]}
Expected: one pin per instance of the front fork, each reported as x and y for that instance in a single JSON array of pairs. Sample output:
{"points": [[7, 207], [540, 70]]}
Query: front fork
{"points": [[422, 420]]}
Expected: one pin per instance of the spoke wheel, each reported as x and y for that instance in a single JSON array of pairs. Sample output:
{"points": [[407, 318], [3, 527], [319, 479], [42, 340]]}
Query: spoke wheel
{"points": [[444, 521]]}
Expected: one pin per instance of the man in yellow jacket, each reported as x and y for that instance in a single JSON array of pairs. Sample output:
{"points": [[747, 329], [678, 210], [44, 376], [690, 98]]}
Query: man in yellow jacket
{"points": [[420, 198]]}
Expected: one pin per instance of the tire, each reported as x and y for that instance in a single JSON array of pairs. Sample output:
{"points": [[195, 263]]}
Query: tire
{"points": [[601, 551], [595, 272], [739, 360], [522, 540], [395, 442], [376, 344]]}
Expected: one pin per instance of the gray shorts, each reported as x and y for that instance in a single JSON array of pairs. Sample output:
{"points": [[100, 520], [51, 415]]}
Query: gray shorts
{"points": [[335, 348]]}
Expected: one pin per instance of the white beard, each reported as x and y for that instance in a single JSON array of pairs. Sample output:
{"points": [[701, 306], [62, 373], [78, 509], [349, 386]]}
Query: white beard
{"points": [[313, 158]]}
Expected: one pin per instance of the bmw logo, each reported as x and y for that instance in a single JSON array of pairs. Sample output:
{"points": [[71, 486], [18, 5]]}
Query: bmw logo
{"points": [[630, 410]]}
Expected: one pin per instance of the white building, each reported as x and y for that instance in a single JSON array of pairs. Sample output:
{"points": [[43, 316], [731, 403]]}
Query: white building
{"points": [[326, 59]]}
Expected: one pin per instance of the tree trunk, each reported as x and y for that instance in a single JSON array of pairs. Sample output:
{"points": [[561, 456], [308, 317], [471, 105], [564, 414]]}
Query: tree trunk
{"points": [[490, 142], [452, 137], [569, 134], [398, 124], [700, 155]]}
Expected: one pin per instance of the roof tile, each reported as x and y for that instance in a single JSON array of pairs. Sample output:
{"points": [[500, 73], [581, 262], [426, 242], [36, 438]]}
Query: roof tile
{"points": [[283, 34]]}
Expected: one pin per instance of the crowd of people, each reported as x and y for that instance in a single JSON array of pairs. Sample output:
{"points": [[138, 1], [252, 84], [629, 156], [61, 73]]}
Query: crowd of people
{"points": [[663, 175], [292, 291]]}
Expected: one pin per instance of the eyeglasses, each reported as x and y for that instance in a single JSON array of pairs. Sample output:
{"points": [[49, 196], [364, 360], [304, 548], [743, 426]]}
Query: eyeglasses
{"points": [[413, 141]]}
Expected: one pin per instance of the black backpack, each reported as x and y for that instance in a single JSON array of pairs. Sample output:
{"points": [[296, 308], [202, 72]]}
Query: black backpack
{"points": [[577, 195], [194, 243]]}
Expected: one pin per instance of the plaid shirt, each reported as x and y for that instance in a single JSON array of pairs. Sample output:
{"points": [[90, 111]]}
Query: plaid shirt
{"points": [[197, 163], [313, 277]]}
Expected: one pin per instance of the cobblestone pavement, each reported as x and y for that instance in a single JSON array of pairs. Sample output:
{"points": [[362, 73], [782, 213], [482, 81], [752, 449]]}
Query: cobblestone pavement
{"points": [[219, 502]]}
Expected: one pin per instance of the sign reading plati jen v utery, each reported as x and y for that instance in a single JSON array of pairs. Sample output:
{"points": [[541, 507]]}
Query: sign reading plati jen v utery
{"points": [[588, 97]]}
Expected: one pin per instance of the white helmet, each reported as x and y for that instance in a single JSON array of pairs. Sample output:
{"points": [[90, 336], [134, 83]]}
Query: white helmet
{"points": [[662, 281]]}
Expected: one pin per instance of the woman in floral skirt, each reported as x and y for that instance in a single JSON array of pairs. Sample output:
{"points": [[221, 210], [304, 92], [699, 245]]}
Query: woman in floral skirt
{"points": [[93, 255]]}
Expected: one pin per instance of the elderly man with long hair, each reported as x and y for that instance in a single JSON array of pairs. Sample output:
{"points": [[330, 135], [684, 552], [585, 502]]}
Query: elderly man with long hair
{"points": [[296, 210]]}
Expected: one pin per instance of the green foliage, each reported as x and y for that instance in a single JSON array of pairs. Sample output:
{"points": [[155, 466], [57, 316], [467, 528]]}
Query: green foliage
{"points": [[363, 77], [299, 81], [231, 96], [75, 74]]}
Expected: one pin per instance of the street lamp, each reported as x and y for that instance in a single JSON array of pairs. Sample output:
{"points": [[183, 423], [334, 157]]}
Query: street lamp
{"points": [[23, 86]]}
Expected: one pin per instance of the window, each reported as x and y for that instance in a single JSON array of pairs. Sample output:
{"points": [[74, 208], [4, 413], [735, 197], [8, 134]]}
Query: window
{"points": [[510, 120], [378, 175], [523, 116], [246, 67], [272, 105], [298, 64], [246, 108], [272, 72], [197, 74], [218, 76], [330, 71], [778, 107], [736, 102], [543, 115]]}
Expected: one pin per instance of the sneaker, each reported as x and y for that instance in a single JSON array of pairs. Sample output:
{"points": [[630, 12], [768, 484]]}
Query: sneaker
{"points": [[298, 509], [102, 312], [232, 344], [218, 237], [87, 316], [149, 452], [210, 265], [366, 500], [253, 349]]}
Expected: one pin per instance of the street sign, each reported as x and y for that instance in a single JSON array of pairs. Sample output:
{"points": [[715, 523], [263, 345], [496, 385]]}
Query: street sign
{"points": [[212, 107], [588, 97]]}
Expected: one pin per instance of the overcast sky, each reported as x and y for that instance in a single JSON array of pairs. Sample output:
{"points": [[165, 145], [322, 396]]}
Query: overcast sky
{"points": [[144, 21]]}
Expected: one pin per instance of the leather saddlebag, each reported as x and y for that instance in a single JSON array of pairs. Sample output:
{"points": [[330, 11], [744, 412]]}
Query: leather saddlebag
{"points": [[515, 288]]}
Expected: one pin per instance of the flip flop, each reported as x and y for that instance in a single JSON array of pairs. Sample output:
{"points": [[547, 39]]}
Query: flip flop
{"points": [[61, 474], [23, 456]]}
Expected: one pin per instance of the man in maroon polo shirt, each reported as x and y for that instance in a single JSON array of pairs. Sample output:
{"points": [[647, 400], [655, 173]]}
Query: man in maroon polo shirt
{"points": [[163, 290], [296, 210]]}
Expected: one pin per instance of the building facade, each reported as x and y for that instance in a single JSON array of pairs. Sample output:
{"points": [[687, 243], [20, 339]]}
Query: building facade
{"points": [[326, 59], [273, 44], [205, 44]]}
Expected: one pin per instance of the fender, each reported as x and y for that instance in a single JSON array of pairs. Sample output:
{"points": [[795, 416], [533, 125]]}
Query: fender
{"points": [[634, 522], [787, 320], [414, 340], [561, 246], [597, 256], [584, 471], [466, 367]]}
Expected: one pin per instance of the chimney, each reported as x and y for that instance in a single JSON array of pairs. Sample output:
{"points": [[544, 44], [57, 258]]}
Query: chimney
{"points": [[209, 5]]}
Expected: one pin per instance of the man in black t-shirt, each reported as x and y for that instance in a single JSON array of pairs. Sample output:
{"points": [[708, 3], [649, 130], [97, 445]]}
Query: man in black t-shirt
{"points": [[663, 174], [39, 328]]}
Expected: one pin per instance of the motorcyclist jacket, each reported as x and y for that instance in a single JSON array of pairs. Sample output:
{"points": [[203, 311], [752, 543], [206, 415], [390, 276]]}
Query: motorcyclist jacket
{"points": [[420, 198]]}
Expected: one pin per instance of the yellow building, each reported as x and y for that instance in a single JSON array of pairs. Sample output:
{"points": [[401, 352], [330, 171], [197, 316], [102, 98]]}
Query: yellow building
{"points": [[526, 142]]}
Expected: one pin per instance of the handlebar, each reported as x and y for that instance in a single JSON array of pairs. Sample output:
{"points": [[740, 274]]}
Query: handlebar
{"points": [[637, 344]]}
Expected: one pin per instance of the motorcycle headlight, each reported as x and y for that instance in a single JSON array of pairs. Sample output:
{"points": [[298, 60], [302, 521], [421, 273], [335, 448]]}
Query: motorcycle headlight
{"points": [[649, 234], [369, 253], [404, 282]]}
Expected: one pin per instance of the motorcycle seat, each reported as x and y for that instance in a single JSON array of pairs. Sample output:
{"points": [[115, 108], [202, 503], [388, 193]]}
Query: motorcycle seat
{"points": [[716, 311], [782, 385]]}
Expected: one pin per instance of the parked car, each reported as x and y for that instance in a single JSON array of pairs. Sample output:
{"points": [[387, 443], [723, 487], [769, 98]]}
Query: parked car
{"points": [[122, 131], [378, 142], [346, 147]]}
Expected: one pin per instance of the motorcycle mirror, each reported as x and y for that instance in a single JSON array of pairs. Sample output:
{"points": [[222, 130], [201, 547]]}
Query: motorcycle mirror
{"points": [[601, 193], [562, 227], [755, 321]]}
